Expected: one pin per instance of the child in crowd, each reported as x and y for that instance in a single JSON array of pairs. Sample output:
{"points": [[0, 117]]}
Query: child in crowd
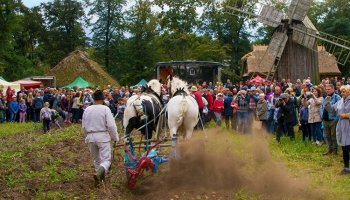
{"points": [[45, 116], [303, 120], [22, 111], [13, 109]]}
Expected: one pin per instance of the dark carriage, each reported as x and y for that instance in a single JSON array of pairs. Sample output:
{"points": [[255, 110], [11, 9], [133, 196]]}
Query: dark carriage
{"points": [[191, 71]]}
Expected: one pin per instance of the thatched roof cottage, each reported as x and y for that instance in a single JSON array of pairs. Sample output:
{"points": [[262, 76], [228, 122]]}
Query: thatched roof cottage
{"points": [[78, 63]]}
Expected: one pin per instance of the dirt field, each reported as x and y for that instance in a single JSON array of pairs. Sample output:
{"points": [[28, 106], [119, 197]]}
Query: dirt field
{"points": [[222, 166]]}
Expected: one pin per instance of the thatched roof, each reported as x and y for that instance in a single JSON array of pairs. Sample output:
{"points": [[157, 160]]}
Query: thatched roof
{"points": [[327, 62], [79, 63], [254, 62]]}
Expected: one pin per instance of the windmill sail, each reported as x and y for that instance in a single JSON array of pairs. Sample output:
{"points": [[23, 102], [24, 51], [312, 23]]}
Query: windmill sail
{"points": [[298, 9], [270, 16], [277, 44], [304, 38]]}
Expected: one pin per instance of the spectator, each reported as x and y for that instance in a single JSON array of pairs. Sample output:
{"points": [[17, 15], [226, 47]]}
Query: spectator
{"points": [[330, 119], [45, 116], [286, 115], [261, 110], [315, 120], [22, 111], [218, 108], [13, 109], [2, 109], [38, 104], [342, 108], [228, 111], [242, 101], [303, 120]]}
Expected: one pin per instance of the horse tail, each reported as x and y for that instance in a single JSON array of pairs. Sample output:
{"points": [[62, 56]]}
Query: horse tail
{"points": [[183, 109]]}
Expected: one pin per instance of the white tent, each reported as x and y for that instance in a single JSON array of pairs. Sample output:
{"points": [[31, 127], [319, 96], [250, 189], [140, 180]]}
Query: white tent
{"points": [[4, 84]]}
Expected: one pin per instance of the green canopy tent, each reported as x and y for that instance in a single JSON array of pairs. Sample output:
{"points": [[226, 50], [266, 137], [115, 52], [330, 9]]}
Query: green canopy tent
{"points": [[140, 83], [80, 82]]}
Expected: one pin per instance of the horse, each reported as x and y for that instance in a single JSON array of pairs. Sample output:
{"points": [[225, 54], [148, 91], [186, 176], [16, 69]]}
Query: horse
{"points": [[142, 111], [182, 109]]}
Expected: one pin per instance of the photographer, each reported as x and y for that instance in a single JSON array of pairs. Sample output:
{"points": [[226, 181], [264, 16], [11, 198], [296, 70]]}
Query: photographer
{"points": [[286, 115]]}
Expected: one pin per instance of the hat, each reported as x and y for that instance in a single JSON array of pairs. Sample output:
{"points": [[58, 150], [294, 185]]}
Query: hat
{"points": [[252, 88], [284, 96], [220, 94], [98, 95], [194, 88]]}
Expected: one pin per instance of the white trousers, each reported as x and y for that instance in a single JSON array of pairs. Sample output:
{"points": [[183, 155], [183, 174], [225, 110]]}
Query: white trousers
{"points": [[101, 153]]}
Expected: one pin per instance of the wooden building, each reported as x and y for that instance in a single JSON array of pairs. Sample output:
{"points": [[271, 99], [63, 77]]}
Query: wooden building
{"points": [[259, 63]]}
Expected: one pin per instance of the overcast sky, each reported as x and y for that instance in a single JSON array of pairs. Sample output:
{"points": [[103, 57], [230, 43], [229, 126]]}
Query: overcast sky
{"points": [[32, 3]]}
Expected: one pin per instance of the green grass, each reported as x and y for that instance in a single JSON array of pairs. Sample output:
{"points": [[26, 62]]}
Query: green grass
{"points": [[27, 138], [13, 128], [306, 159]]}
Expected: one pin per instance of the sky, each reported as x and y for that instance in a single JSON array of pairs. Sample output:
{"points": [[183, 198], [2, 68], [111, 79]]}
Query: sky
{"points": [[32, 3]]}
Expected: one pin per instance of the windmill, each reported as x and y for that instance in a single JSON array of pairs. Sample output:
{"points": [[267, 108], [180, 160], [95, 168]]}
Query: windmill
{"points": [[293, 46]]}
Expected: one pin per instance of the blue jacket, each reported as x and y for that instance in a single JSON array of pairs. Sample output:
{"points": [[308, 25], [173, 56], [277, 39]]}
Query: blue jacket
{"points": [[14, 106], [331, 115], [228, 109]]}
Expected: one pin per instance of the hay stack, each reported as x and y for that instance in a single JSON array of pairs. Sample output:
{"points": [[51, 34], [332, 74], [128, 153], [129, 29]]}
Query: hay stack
{"points": [[79, 63]]}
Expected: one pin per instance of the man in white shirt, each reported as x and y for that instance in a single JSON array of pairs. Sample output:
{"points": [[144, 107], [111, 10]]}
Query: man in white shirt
{"points": [[99, 127]]}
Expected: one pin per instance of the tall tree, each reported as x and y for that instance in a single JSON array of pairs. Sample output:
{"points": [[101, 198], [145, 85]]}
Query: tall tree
{"points": [[14, 62], [177, 20], [64, 29], [107, 20], [229, 29], [141, 25]]}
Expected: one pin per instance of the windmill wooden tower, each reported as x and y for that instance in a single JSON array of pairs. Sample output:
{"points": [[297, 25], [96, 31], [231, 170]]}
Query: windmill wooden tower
{"points": [[293, 46]]}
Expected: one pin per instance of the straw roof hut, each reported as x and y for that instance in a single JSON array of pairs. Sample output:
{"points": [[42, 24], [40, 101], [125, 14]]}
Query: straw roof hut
{"points": [[254, 64], [78, 63]]}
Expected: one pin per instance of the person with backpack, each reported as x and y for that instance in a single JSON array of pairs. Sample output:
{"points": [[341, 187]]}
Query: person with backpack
{"points": [[45, 116]]}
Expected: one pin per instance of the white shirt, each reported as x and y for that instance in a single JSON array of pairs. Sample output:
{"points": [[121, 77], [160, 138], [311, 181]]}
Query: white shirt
{"points": [[98, 124]]}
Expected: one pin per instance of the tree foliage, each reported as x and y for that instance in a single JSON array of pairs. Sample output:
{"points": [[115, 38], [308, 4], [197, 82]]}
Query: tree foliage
{"points": [[129, 37]]}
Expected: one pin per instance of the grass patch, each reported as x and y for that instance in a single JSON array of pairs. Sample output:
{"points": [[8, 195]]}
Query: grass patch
{"points": [[306, 159], [25, 157], [13, 128]]}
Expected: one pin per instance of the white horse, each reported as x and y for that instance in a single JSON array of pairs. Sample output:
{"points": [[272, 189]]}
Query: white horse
{"points": [[182, 109], [144, 110]]}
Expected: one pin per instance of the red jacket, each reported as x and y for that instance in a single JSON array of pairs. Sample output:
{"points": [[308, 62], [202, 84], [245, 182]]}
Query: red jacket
{"points": [[210, 101], [218, 105], [198, 98]]}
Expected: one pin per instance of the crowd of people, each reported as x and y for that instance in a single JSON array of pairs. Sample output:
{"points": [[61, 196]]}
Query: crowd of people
{"points": [[321, 111]]}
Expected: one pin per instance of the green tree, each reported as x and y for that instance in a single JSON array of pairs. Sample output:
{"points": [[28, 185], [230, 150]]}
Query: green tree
{"points": [[107, 20], [64, 29], [141, 25], [229, 29], [333, 17], [14, 57], [177, 20]]}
